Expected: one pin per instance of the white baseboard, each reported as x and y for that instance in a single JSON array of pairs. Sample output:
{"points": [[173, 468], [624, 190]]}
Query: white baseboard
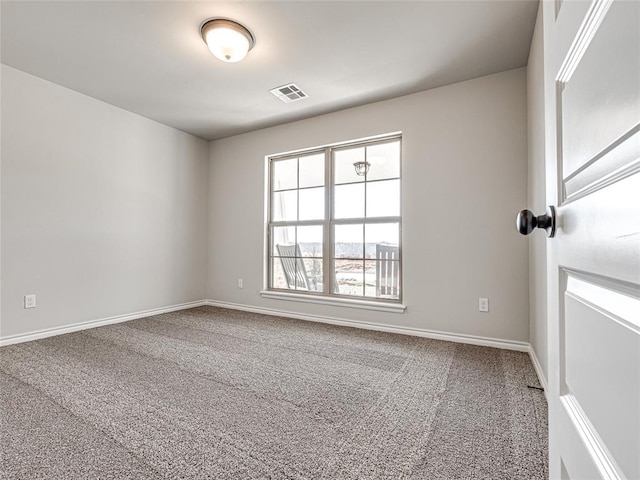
{"points": [[538, 368], [418, 332], [50, 332]]}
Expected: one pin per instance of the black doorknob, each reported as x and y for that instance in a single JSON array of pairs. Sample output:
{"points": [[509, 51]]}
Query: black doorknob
{"points": [[526, 221]]}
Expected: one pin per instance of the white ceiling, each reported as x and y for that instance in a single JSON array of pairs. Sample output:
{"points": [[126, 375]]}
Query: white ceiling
{"points": [[148, 56]]}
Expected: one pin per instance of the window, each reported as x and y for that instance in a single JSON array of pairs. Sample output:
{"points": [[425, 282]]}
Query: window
{"points": [[332, 231]]}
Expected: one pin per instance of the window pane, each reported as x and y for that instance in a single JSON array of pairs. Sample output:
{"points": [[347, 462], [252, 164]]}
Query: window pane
{"points": [[310, 241], [348, 241], [285, 206], [285, 174], [312, 171], [343, 169], [370, 278], [385, 161], [387, 279], [380, 234], [278, 279], [350, 277], [285, 250], [296, 273], [383, 198], [282, 236], [349, 201], [311, 204], [313, 267]]}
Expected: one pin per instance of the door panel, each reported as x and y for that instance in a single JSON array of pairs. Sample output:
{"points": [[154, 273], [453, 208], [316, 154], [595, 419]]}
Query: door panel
{"points": [[600, 100], [582, 454], [596, 372], [612, 164], [602, 231], [575, 454], [592, 50]]}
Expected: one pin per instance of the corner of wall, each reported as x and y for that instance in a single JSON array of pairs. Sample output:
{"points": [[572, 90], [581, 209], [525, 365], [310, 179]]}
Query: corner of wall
{"points": [[536, 201]]}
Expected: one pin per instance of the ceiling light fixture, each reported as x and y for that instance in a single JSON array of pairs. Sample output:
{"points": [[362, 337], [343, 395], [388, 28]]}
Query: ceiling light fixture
{"points": [[362, 168], [228, 40]]}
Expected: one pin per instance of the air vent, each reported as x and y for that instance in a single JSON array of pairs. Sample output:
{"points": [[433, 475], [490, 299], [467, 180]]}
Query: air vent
{"points": [[289, 93]]}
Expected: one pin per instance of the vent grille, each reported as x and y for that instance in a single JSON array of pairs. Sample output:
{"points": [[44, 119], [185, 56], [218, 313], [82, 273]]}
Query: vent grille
{"points": [[289, 93]]}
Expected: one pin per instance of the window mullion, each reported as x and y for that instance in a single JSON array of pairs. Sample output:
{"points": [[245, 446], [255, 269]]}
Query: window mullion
{"points": [[358, 220], [364, 239], [292, 223], [327, 248]]}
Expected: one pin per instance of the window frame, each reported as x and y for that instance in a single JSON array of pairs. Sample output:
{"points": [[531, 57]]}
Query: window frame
{"points": [[328, 223]]}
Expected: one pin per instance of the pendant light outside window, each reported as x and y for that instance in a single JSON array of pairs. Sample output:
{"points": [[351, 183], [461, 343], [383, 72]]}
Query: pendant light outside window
{"points": [[227, 40], [362, 168]]}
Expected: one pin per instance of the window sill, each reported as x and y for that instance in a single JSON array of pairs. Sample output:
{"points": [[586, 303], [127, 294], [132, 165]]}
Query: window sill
{"points": [[335, 301]]}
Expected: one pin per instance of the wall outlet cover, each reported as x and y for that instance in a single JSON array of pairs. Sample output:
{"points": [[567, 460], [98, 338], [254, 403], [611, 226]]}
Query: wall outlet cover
{"points": [[30, 301], [483, 304]]}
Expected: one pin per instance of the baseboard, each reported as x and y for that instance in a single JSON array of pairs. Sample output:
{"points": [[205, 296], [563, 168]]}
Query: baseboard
{"points": [[538, 368], [50, 332], [418, 332]]}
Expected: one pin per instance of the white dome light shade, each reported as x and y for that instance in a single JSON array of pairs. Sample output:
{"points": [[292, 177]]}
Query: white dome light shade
{"points": [[228, 40]]}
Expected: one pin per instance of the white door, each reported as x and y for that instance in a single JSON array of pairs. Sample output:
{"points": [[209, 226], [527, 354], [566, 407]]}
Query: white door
{"points": [[592, 101]]}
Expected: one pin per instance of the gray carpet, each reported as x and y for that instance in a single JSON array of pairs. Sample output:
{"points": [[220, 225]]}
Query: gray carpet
{"points": [[222, 394]]}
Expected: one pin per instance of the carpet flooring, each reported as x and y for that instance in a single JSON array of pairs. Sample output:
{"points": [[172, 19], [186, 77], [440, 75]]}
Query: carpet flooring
{"points": [[223, 394]]}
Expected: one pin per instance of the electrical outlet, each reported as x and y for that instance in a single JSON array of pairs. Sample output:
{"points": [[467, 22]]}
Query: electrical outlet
{"points": [[483, 304], [29, 301], [240, 283]]}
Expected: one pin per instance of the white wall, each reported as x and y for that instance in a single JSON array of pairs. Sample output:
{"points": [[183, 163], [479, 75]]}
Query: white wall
{"points": [[537, 198], [465, 178], [103, 211]]}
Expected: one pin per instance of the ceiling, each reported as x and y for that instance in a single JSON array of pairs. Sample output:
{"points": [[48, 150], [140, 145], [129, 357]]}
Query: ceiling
{"points": [[148, 56]]}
